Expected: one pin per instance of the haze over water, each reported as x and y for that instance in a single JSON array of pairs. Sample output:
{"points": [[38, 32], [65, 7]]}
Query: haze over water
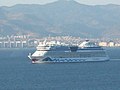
{"points": [[17, 73]]}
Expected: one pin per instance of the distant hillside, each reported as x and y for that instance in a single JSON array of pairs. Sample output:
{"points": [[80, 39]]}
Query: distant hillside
{"points": [[61, 18]]}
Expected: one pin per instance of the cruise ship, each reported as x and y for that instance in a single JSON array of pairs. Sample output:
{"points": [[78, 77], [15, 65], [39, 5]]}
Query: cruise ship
{"points": [[87, 51]]}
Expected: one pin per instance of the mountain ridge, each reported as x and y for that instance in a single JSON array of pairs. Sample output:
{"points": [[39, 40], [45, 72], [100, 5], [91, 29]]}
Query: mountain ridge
{"points": [[61, 18]]}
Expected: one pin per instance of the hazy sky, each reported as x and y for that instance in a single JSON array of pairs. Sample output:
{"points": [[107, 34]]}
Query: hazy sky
{"points": [[89, 2]]}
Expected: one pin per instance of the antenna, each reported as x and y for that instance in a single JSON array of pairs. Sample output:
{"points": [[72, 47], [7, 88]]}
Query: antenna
{"points": [[44, 42]]}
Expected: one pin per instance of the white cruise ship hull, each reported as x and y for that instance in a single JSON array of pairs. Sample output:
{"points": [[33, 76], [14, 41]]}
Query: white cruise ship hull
{"points": [[67, 60]]}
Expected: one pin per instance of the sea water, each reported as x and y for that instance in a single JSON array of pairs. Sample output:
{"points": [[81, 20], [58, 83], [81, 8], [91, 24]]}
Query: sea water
{"points": [[17, 73]]}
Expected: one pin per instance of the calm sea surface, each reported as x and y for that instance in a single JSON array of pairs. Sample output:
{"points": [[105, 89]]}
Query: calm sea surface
{"points": [[17, 73]]}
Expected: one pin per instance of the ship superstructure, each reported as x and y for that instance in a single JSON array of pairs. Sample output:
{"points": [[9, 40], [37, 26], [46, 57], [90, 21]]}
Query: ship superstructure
{"points": [[86, 51]]}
